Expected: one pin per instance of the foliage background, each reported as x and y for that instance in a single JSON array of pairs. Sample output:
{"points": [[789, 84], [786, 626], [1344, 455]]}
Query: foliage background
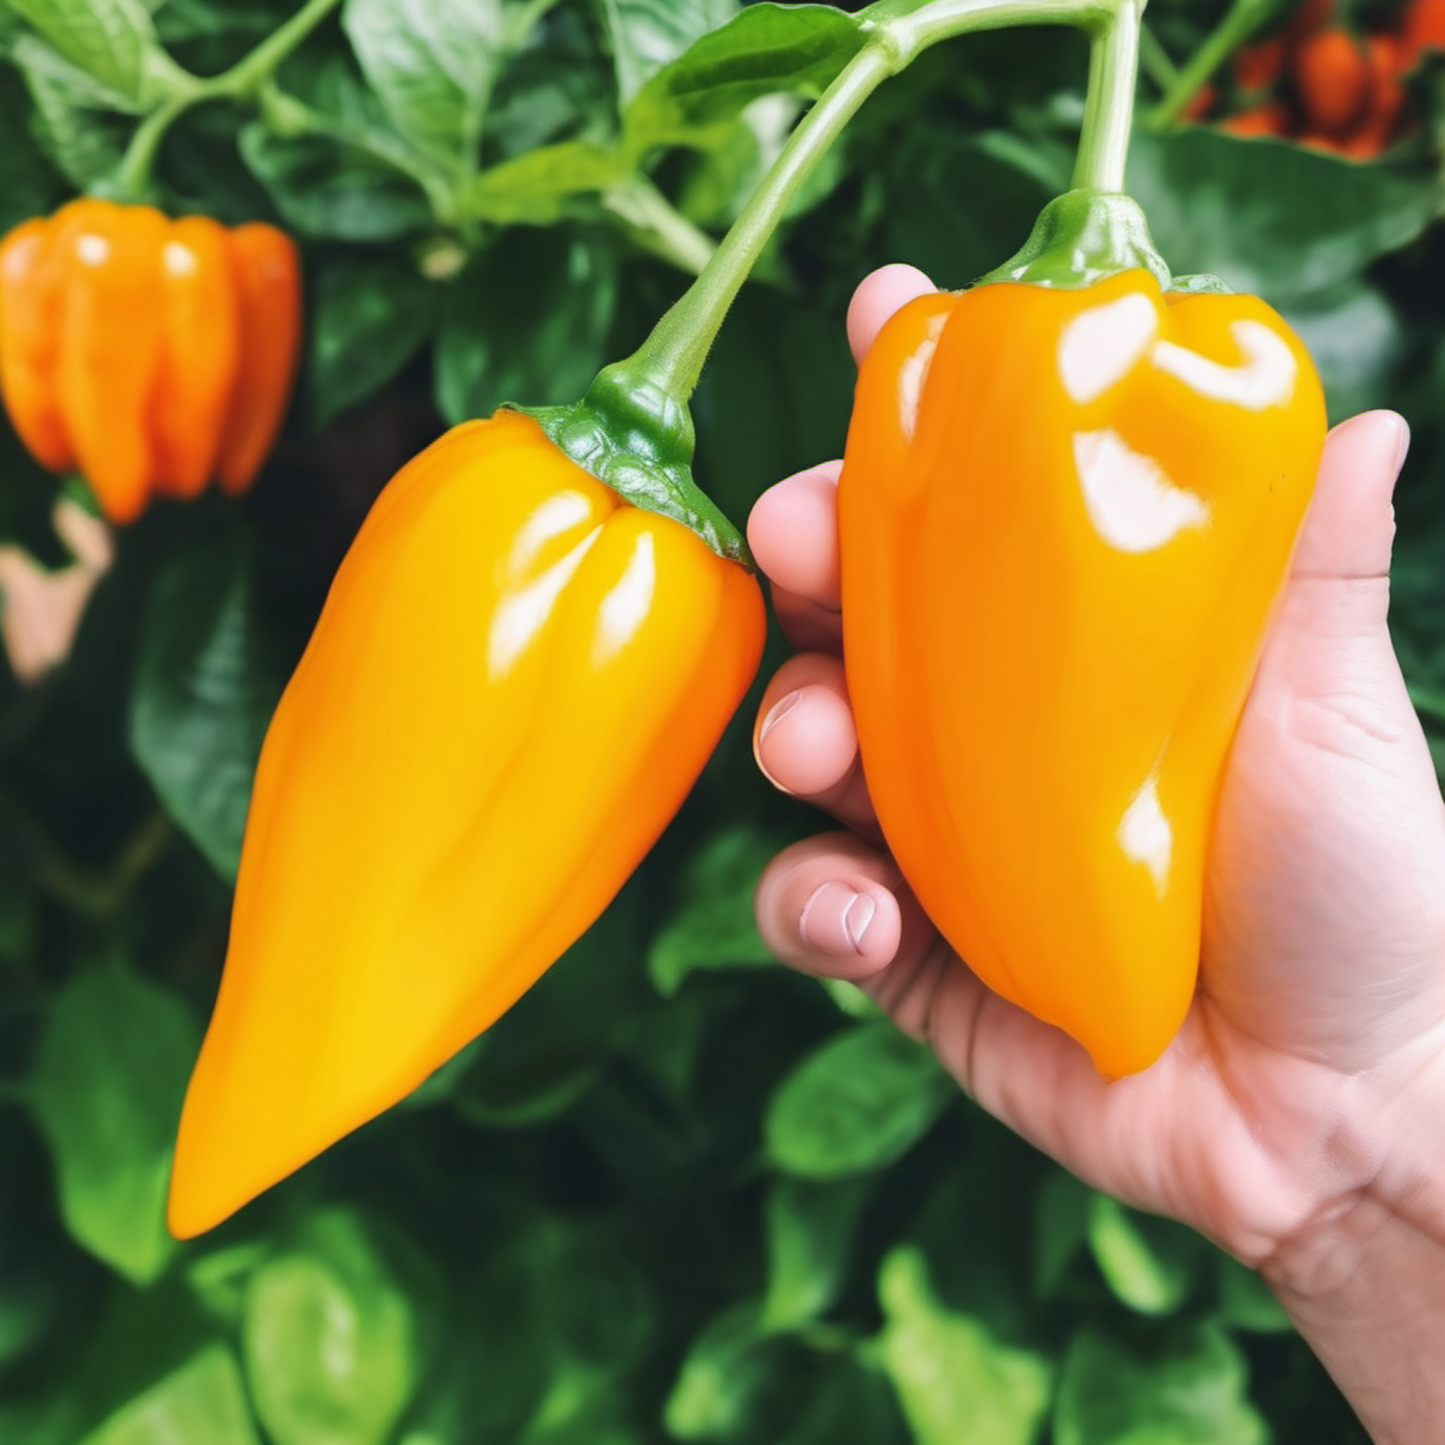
{"points": [[678, 1194]]}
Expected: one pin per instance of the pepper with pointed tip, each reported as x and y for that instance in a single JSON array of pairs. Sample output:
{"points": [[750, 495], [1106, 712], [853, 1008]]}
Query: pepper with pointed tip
{"points": [[515, 681], [1068, 501]]}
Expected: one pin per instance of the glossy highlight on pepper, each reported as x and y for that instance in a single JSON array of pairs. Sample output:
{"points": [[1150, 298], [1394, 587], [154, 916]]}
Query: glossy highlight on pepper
{"points": [[515, 681], [1065, 514], [148, 354]]}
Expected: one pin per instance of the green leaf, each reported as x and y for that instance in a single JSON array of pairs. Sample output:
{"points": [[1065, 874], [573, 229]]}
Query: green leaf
{"points": [[370, 318], [202, 1403], [1356, 338], [528, 322], [647, 34], [712, 924], [29, 185], [432, 63], [857, 1103], [113, 41], [536, 189], [1061, 1225], [810, 1234], [331, 189], [852, 1401], [1149, 1263], [202, 697], [947, 209], [1268, 217], [109, 1077], [83, 143], [331, 1338], [728, 1380], [767, 49], [1245, 1301], [955, 1378], [549, 1049], [1173, 1387]]}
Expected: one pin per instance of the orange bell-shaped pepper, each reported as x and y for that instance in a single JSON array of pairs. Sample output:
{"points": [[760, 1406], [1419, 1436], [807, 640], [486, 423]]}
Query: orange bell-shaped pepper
{"points": [[516, 679], [1065, 513], [150, 355]]}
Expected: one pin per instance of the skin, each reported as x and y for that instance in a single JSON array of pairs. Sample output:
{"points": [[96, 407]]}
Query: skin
{"points": [[1299, 1116]]}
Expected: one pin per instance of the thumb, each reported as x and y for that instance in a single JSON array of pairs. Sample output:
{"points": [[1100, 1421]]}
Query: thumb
{"points": [[1350, 529], [1328, 675]]}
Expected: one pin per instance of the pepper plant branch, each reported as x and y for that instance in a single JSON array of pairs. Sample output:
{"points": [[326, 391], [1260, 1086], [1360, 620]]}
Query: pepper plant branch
{"points": [[656, 224], [251, 70], [1241, 21], [896, 32], [132, 177], [674, 354], [1109, 111], [1156, 61], [183, 90]]}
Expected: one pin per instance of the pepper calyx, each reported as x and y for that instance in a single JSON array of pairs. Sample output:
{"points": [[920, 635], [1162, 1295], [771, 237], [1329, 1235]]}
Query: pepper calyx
{"points": [[637, 438], [1081, 238]]}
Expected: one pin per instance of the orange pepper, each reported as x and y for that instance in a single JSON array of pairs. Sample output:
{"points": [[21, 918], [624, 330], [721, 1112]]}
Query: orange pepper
{"points": [[149, 354], [1065, 513], [1332, 76], [1386, 107], [516, 679], [1257, 67], [1423, 29], [1271, 118]]}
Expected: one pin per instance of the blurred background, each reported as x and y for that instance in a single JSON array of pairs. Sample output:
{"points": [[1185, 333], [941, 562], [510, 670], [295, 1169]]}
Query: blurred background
{"points": [[678, 1194]]}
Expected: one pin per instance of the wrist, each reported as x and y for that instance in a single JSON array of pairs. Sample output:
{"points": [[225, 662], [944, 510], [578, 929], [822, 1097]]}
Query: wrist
{"points": [[1364, 1279]]}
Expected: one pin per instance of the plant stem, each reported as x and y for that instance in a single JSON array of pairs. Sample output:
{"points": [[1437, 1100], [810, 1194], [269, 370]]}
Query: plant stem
{"points": [[249, 72], [132, 178], [1243, 18], [896, 32], [1109, 112], [915, 27], [131, 181], [673, 355], [1156, 61], [656, 224]]}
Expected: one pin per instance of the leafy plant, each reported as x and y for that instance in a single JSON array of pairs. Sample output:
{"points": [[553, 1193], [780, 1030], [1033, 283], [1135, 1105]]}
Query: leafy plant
{"points": [[677, 1193]]}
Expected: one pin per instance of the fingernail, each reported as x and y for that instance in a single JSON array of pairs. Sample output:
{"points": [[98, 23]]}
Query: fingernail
{"points": [[1402, 442], [774, 716], [835, 919], [778, 712]]}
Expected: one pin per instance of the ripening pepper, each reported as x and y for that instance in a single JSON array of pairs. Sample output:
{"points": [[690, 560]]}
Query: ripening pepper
{"points": [[1334, 80], [515, 680], [1068, 502], [148, 354]]}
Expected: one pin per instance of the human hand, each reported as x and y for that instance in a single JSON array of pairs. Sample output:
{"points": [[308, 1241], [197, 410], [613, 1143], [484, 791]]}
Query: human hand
{"points": [[1299, 1107]]}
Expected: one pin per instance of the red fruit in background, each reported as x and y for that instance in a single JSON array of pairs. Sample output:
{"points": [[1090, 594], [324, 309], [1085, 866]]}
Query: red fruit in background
{"points": [[1269, 119], [1423, 29], [1333, 78], [1257, 67]]}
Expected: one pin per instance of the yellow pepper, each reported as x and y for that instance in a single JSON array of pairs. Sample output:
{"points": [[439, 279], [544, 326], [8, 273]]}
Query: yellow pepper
{"points": [[515, 681], [1068, 502]]}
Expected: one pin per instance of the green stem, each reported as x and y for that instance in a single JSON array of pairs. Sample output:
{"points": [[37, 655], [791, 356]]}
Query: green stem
{"points": [[1156, 61], [1109, 112], [915, 27], [672, 358], [251, 70], [655, 224], [1241, 21], [132, 178]]}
